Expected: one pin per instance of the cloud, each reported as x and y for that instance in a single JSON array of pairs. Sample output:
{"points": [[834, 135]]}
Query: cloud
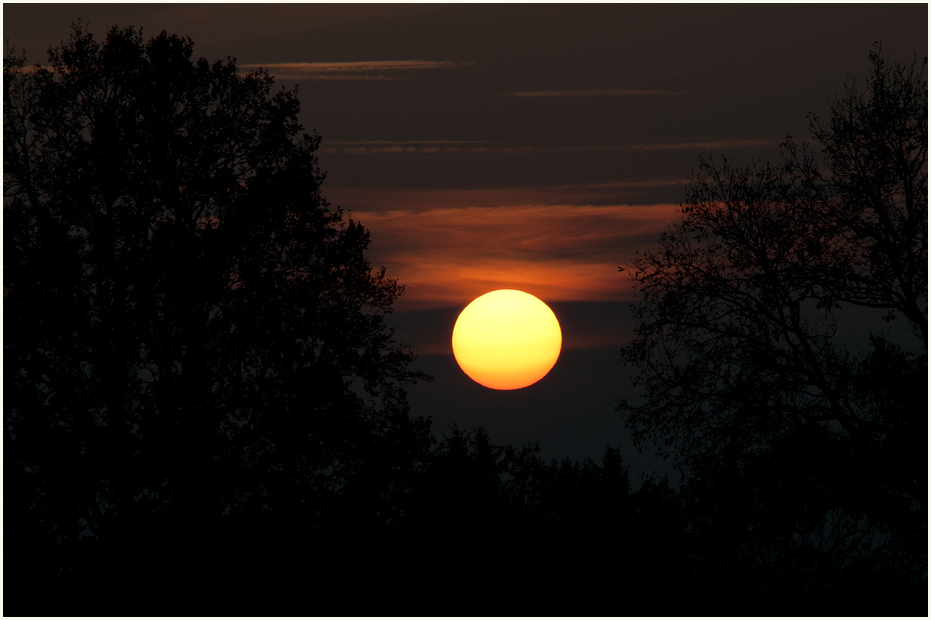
{"points": [[366, 65], [466, 146], [448, 256], [681, 146], [591, 93], [393, 142], [381, 199], [621, 184], [453, 146], [407, 148], [356, 70], [281, 75]]}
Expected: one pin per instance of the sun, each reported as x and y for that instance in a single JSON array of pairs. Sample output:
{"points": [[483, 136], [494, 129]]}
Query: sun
{"points": [[506, 340]]}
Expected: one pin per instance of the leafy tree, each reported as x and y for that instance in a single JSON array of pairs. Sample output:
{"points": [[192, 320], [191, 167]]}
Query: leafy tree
{"points": [[196, 340], [785, 432]]}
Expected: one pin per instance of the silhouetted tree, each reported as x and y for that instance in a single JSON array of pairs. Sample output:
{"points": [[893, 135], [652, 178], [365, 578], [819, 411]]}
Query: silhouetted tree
{"points": [[525, 537], [194, 340], [794, 442]]}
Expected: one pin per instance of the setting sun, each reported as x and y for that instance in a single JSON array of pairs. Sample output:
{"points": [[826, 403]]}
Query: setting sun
{"points": [[506, 340]]}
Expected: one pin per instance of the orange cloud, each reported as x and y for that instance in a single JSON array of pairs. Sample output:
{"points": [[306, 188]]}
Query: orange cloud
{"points": [[448, 256]]}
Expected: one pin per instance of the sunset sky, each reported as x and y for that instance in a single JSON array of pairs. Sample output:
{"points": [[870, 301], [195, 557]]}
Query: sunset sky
{"points": [[534, 147]]}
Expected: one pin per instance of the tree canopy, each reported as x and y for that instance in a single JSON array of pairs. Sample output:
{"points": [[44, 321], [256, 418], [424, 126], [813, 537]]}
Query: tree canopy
{"points": [[196, 335], [782, 425]]}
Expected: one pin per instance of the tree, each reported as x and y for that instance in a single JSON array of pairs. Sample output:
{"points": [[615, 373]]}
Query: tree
{"points": [[197, 340], [495, 518], [774, 418]]}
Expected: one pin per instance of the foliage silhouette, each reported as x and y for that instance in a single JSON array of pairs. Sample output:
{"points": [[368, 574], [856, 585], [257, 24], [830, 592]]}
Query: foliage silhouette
{"points": [[197, 343], [798, 449], [527, 537]]}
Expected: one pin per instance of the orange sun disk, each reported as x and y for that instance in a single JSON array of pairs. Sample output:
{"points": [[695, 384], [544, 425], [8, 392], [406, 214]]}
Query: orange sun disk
{"points": [[506, 340]]}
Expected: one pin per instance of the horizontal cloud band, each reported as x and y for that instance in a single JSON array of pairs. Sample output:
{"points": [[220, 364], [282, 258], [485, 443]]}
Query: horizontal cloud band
{"points": [[591, 93], [682, 146], [453, 146], [356, 70]]}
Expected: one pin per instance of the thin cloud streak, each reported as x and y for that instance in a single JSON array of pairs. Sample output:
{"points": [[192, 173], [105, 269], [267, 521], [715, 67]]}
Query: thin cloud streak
{"points": [[357, 70], [336, 76], [620, 184], [354, 147], [404, 142], [682, 146], [592, 93], [401, 148], [466, 146], [382, 199]]}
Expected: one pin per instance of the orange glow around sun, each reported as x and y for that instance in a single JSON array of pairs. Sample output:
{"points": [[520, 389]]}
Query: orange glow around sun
{"points": [[506, 340]]}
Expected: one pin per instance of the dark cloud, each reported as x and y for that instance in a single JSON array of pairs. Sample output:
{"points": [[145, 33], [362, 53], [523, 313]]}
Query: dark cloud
{"points": [[592, 93], [356, 70], [692, 146]]}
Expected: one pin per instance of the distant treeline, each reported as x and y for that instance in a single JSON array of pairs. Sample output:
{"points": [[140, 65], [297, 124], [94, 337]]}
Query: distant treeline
{"points": [[483, 530]]}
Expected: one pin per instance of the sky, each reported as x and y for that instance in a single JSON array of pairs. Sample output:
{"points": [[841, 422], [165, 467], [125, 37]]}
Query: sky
{"points": [[532, 147]]}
